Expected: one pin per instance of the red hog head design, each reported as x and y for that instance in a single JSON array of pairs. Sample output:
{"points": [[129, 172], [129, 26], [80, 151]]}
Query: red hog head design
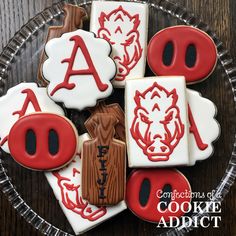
{"points": [[71, 197], [157, 127], [120, 29]]}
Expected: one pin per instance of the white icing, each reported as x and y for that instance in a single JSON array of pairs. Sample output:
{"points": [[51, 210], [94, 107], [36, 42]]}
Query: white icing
{"points": [[74, 215], [86, 92], [13, 101], [136, 154], [125, 19], [187, 151], [204, 112]]}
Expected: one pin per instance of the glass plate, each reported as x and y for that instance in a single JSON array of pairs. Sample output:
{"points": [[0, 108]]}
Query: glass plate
{"points": [[29, 192]]}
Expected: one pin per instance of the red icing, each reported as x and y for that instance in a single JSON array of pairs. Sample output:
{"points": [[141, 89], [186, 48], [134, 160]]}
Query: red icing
{"points": [[30, 98], [4, 140], [129, 48], [182, 37], [194, 130], [158, 179], [42, 159], [159, 139], [72, 200], [79, 43]]}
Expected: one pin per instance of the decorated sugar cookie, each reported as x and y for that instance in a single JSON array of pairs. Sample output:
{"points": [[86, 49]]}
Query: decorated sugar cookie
{"points": [[156, 122], [124, 25], [144, 194], [155, 127], [24, 98], [73, 20], [66, 185], [182, 50], [204, 129], [45, 141], [113, 109], [79, 69], [105, 157]]}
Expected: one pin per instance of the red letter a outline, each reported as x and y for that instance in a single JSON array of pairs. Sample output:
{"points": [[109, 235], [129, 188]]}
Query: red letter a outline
{"points": [[194, 130], [30, 98], [79, 43]]}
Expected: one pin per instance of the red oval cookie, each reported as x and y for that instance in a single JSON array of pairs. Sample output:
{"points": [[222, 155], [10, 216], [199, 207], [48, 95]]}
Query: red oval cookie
{"points": [[149, 209], [183, 38], [42, 127]]}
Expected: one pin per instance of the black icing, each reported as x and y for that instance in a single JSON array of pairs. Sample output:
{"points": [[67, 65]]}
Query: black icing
{"points": [[144, 192], [191, 56], [30, 142], [53, 142], [168, 53], [166, 196]]}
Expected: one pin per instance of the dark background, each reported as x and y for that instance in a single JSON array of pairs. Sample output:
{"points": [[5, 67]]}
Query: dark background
{"points": [[220, 15]]}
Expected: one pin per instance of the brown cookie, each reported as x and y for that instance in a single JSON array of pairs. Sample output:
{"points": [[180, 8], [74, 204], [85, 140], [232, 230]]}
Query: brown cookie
{"points": [[113, 109], [73, 20], [103, 164]]}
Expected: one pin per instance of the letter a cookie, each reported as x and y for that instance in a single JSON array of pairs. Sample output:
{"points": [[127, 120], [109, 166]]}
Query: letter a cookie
{"points": [[78, 69]]}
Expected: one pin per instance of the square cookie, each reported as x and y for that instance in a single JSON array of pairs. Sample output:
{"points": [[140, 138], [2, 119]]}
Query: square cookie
{"points": [[125, 26], [156, 121]]}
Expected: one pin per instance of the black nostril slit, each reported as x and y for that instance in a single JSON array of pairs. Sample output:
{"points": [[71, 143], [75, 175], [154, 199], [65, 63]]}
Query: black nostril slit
{"points": [[144, 192], [53, 142], [191, 56], [30, 142], [168, 53], [166, 197]]}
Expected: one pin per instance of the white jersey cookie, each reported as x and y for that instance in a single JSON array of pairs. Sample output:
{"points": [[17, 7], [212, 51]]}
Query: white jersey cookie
{"points": [[78, 69], [24, 98], [125, 26], [66, 185]]}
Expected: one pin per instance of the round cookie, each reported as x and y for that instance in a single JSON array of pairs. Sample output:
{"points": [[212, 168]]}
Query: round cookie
{"points": [[48, 146], [79, 69], [145, 188], [182, 50]]}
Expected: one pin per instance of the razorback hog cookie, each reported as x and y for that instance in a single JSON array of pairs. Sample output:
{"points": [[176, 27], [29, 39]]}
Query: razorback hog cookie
{"points": [[79, 69], [66, 184], [113, 109], [105, 157], [73, 19], [182, 50], [23, 99], [45, 141], [125, 26], [156, 121], [203, 127], [155, 124], [145, 198]]}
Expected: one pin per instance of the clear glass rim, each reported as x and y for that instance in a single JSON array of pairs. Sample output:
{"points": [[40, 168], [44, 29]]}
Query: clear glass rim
{"points": [[31, 27]]}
